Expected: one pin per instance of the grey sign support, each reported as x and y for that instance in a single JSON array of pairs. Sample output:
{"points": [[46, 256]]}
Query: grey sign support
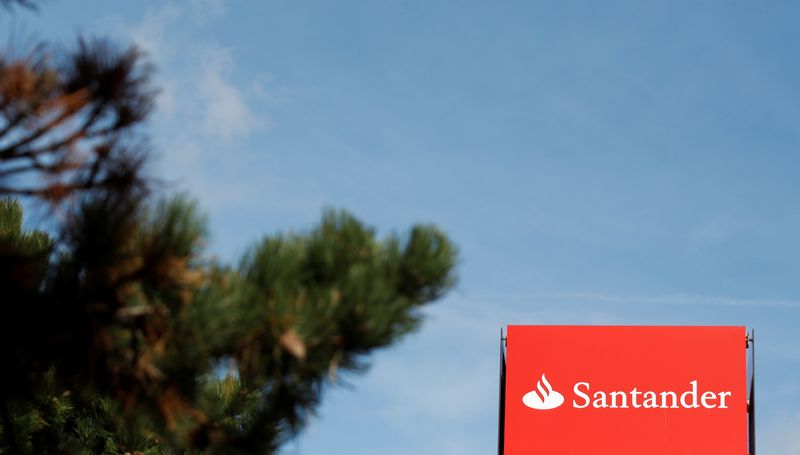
{"points": [[501, 415], [751, 402]]}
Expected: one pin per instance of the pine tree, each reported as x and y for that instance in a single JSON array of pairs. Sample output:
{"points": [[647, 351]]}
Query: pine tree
{"points": [[118, 334]]}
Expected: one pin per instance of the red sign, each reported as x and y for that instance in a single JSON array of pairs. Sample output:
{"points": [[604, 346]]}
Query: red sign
{"points": [[595, 390]]}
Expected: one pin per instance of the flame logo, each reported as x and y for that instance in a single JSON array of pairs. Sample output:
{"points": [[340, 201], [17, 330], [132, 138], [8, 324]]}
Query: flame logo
{"points": [[544, 397]]}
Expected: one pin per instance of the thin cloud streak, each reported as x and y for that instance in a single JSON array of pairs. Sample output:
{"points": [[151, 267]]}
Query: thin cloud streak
{"points": [[640, 299]]}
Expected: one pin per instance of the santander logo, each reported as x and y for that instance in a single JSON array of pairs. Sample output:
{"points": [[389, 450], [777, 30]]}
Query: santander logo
{"points": [[543, 397]]}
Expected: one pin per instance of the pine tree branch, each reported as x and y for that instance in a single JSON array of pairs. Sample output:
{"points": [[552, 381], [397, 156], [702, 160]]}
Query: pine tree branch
{"points": [[9, 430]]}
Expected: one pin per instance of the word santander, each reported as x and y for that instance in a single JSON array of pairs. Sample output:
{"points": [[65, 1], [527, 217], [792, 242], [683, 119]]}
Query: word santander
{"points": [[649, 399]]}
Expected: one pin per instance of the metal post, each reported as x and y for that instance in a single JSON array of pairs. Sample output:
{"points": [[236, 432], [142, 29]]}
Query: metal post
{"points": [[501, 415], [751, 409]]}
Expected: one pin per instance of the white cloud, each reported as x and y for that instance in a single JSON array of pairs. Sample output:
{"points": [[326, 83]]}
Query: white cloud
{"points": [[196, 74], [207, 105], [150, 33], [225, 113]]}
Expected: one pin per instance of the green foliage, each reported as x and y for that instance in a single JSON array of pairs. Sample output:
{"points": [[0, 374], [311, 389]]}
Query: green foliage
{"points": [[128, 339], [117, 333], [10, 218]]}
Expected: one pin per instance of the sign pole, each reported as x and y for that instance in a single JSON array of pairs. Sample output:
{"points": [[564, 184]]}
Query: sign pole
{"points": [[501, 416], [751, 409]]}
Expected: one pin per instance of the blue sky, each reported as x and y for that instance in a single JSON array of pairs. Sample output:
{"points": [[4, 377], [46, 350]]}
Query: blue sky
{"points": [[597, 162]]}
